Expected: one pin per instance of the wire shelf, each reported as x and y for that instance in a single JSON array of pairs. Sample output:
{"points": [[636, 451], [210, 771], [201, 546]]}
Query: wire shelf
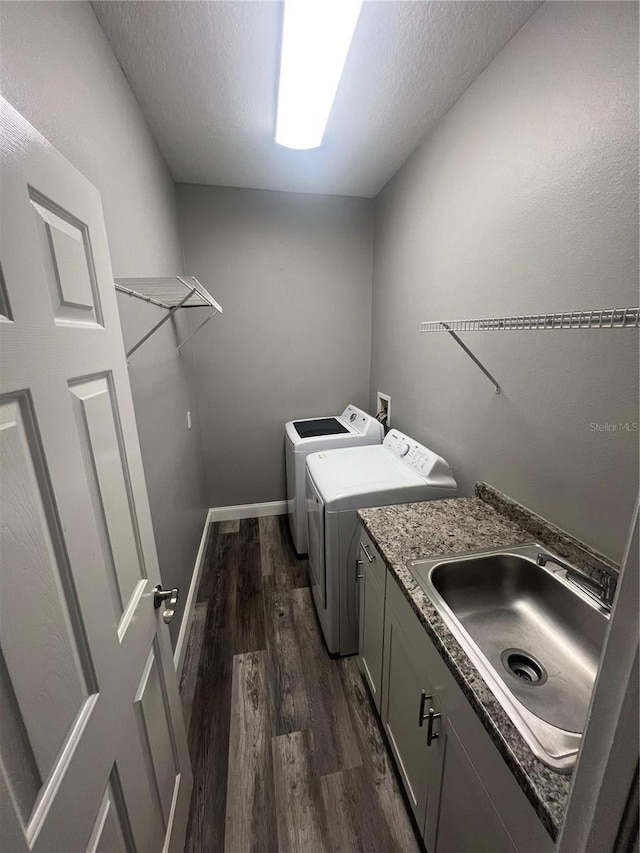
{"points": [[602, 318], [169, 292], [172, 293]]}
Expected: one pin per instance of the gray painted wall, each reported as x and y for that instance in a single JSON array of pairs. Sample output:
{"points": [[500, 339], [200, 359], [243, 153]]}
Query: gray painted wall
{"points": [[59, 72], [525, 199], [293, 275]]}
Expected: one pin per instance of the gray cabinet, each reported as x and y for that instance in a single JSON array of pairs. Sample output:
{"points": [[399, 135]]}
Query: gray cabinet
{"points": [[407, 699], [467, 821], [371, 578], [463, 795]]}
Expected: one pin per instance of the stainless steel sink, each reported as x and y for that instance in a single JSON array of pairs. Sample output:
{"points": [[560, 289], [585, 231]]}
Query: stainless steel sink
{"points": [[535, 637]]}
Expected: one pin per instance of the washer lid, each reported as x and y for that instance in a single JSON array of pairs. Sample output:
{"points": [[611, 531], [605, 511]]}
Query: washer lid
{"points": [[319, 426], [352, 426]]}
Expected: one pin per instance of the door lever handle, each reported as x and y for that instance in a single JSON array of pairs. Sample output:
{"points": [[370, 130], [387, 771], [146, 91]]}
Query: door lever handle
{"points": [[171, 596]]}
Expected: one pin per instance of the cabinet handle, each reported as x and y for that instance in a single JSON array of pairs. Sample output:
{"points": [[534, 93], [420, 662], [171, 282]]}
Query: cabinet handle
{"points": [[365, 550], [359, 575], [431, 716], [421, 714]]}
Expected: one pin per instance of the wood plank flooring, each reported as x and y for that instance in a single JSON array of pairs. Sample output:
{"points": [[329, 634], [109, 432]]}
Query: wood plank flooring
{"points": [[287, 753]]}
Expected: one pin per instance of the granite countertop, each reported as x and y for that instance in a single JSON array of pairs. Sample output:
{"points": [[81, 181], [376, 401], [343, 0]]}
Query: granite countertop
{"points": [[490, 519]]}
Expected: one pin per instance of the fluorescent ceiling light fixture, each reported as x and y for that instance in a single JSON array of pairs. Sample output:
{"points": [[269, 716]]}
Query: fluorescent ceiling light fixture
{"points": [[316, 38]]}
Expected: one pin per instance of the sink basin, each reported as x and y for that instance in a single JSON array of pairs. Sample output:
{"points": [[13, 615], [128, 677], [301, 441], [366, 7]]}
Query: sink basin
{"points": [[535, 637]]}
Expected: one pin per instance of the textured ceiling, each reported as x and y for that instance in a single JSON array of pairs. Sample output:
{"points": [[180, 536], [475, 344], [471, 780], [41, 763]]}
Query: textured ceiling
{"points": [[205, 75]]}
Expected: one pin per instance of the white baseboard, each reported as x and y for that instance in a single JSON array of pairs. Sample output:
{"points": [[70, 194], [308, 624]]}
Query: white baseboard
{"points": [[217, 513], [231, 513], [190, 606]]}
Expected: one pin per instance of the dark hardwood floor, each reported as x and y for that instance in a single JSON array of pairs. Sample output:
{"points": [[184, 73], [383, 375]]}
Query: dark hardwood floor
{"points": [[286, 750]]}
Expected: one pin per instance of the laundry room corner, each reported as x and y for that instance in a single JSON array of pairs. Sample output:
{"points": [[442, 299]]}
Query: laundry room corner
{"points": [[246, 603]]}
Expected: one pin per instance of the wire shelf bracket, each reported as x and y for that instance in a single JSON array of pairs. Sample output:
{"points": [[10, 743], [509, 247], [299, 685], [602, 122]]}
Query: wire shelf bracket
{"points": [[473, 358], [172, 293]]}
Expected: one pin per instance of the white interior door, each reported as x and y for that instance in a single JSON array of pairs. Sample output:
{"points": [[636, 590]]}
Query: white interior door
{"points": [[92, 744]]}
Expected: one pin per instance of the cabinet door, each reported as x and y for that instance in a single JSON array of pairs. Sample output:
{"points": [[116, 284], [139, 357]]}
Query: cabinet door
{"points": [[404, 679], [467, 820], [462, 762], [371, 629]]}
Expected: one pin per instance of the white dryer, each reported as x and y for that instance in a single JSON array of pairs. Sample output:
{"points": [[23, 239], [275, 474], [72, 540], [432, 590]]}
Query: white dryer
{"points": [[340, 482], [350, 429]]}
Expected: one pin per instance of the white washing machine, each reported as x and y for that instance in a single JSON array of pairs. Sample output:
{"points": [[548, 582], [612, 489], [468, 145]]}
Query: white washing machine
{"points": [[340, 482], [350, 429]]}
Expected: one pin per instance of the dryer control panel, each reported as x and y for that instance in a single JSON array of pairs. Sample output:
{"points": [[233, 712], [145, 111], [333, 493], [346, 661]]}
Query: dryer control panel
{"points": [[419, 458]]}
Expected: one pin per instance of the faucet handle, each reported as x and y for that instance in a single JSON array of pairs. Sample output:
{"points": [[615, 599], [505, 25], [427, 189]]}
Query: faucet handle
{"points": [[609, 586], [602, 583]]}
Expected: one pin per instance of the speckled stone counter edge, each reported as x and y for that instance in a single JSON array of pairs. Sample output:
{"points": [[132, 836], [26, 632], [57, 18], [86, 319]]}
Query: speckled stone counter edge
{"points": [[411, 531]]}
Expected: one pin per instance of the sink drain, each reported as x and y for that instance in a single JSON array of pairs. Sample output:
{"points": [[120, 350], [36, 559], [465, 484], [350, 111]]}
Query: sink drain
{"points": [[524, 666]]}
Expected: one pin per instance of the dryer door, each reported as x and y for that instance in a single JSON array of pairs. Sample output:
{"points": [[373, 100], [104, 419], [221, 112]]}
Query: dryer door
{"points": [[315, 520]]}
